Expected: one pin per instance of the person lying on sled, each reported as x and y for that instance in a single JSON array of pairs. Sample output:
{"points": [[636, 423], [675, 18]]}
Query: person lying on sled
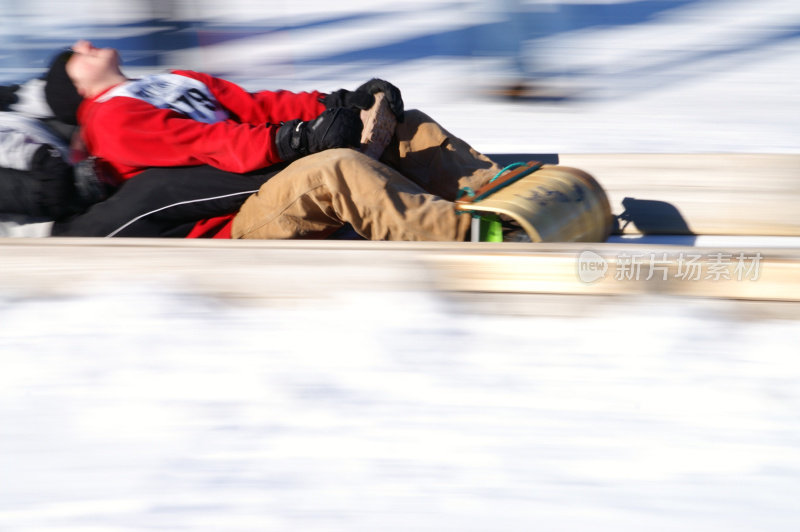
{"points": [[297, 148]]}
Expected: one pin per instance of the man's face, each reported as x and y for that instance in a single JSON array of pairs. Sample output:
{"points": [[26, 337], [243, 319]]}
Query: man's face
{"points": [[90, 65]]}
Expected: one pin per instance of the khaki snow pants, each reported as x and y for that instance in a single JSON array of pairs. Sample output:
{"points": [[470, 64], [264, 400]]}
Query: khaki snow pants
{"points": [[407, 195]]}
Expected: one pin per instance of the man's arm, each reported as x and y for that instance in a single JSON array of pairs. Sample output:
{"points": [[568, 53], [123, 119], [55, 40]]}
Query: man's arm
{"points": [[264, 106], [132, 133]]}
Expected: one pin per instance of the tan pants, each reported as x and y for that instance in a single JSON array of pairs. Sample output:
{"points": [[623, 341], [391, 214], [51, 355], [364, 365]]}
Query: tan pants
{"points": [[407, 195]]}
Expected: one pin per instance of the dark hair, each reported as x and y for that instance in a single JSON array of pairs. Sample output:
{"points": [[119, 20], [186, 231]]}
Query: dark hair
{"points": [[60, 92]]}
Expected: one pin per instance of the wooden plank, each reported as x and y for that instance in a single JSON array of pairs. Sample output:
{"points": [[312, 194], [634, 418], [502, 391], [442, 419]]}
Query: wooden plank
{"points": [[713, 194], [281, 270], [746, 274]]}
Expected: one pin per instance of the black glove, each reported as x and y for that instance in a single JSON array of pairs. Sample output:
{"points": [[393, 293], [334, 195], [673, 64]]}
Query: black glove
{"points": [[334, 128], [8, 96], [56, 198], [363, 97], [346, 98], [92, 182]]}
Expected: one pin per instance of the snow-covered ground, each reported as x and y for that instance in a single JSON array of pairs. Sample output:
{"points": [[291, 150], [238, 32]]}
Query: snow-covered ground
{"points": [[142, 408]]}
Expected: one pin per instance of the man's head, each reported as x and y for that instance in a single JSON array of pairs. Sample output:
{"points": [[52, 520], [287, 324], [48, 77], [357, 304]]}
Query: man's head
{"points": [[60, 92], [81, 72]]}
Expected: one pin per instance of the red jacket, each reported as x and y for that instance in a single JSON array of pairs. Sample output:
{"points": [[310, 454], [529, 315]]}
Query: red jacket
{"points": [[186, 118], [132, 134]]}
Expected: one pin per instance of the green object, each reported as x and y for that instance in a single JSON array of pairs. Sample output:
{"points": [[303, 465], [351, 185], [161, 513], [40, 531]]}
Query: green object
{"points": [[491, 228]]}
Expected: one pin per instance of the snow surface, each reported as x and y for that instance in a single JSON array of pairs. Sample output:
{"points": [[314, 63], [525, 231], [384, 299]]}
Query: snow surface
{"points": [[137, 407]]}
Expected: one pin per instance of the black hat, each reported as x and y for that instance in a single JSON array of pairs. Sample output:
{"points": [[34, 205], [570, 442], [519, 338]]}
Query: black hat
{"points": [[60, 92]]}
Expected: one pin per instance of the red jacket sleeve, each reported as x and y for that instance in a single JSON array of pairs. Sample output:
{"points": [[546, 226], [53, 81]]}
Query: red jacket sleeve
{"points": [[134, 135], [263, 106]]}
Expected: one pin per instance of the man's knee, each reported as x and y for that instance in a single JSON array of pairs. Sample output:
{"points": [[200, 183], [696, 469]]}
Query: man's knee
{"points": [[343, 156], [343, 164]]}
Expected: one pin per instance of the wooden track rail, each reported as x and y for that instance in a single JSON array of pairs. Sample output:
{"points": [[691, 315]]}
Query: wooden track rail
{"points": [[698, 194], [275, 270]]}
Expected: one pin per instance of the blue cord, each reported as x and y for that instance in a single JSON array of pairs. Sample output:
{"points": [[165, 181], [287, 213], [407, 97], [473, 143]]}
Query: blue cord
{"points": [[507, 168], [465, 191], [471, 193]]}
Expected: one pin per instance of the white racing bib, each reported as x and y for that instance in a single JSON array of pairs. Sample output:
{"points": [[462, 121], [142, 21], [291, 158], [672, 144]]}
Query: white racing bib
{"points": [[172, 91]]}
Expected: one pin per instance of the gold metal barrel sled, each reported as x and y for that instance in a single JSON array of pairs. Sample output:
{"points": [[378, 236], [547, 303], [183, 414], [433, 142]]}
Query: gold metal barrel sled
{"points": [[550, 203]]}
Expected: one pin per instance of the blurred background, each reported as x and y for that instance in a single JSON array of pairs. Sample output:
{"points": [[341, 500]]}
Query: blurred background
{"points": [[539, 76], [373, 400]]}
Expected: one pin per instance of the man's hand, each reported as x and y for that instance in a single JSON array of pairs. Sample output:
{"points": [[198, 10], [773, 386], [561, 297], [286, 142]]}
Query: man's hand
{"points": [[363, 97], [345, 98], [390, 92], [8, 96], [335, 128]]}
